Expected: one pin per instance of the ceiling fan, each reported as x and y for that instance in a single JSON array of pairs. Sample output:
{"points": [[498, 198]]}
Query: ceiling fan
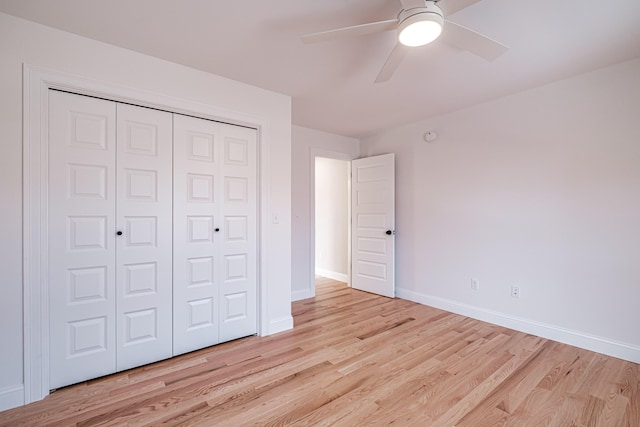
{"points": [[420, 22]]}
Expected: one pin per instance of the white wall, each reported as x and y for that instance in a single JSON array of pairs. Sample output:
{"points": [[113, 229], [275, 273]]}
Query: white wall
{"points": [[25, 42], [306, 145], [541, 190], [332, 218]]}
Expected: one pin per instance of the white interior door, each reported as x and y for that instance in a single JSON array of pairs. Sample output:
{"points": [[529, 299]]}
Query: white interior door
{"points": [[373, 224], [215, 233], [197, 198], [81, 235], [239, 233], [112, 232], [144, 249]]}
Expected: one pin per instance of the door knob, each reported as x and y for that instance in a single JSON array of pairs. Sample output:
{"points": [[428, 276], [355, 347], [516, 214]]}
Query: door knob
{"points": [[389, 232], [216, 230], [119, 233]]}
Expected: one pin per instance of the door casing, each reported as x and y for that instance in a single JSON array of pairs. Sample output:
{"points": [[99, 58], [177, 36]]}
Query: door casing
{"points": [[37, 82]]}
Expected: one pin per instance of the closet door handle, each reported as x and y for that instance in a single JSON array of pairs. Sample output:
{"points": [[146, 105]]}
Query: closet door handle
{"points": [[119, 233], [216, 230]]}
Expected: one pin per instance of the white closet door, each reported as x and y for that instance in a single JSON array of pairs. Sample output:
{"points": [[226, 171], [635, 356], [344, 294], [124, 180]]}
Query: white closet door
{"points": [[146, 261], [144, 250], [197, 197], [238, 281], [81, 235]]}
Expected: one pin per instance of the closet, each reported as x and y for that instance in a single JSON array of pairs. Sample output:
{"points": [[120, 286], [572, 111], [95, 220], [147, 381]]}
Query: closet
{"points": [[152, 235]]}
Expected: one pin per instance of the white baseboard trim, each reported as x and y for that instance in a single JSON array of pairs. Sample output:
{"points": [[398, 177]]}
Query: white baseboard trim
{"points": [[301, 294], [340, 277], [567, 336], [11, 397], [280, 325]]}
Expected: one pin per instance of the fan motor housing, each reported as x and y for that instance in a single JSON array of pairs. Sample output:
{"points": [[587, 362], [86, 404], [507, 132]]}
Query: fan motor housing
{"points": [[430, 7], [420, 25]]}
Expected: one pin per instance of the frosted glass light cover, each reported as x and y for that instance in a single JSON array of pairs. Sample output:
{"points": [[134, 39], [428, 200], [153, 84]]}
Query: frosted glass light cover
{"points": [[420, 33]]}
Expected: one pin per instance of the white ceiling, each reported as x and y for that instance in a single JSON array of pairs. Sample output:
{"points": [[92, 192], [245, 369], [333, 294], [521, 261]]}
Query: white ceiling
{"points": [[331, 83]]}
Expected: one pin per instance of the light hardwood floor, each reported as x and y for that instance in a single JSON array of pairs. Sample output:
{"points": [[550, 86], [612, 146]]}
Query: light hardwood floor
{"points": [[356, 359]]}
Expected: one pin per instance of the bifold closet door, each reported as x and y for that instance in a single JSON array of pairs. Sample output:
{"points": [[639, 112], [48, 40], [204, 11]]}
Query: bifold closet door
{"points": [[152, 235], [81, 237], [239, 215], [215, 233], [197, 187], [144, 217], [109, 235]]}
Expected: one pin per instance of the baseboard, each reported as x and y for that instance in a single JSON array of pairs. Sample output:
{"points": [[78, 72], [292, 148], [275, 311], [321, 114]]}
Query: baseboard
{"points": [[11, 397], [340, 277], [602, 345], [301, 294], [280, 325]]}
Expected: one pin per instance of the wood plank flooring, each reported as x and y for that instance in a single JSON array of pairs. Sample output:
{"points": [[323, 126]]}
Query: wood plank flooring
{"points": [[356, 359]]}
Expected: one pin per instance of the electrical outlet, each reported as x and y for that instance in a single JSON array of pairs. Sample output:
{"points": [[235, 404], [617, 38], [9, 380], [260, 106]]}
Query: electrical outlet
{"points": [[515, 291], [475, 284]]}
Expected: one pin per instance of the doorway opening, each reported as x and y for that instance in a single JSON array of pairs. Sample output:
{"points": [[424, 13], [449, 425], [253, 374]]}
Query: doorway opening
{"points": [[370, 223], [332, 219]]}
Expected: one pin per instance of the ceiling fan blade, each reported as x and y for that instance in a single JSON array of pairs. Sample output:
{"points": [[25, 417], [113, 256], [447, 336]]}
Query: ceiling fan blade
{"points": [[356, 30], [412, 4], [392, 63], [449, 7], [466, 39]]}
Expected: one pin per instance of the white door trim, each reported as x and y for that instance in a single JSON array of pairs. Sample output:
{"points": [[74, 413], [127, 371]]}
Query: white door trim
{"points": [[37, 82], [313, 153]]}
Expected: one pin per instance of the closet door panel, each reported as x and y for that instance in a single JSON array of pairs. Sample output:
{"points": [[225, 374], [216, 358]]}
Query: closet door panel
{"points": [[81, 237], [238, 272], [197, 199], [144, 250], [152, 235]]}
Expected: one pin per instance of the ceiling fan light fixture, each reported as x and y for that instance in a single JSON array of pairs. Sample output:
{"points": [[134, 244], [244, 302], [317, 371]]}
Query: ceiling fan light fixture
{"points": [[420, 26]]}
